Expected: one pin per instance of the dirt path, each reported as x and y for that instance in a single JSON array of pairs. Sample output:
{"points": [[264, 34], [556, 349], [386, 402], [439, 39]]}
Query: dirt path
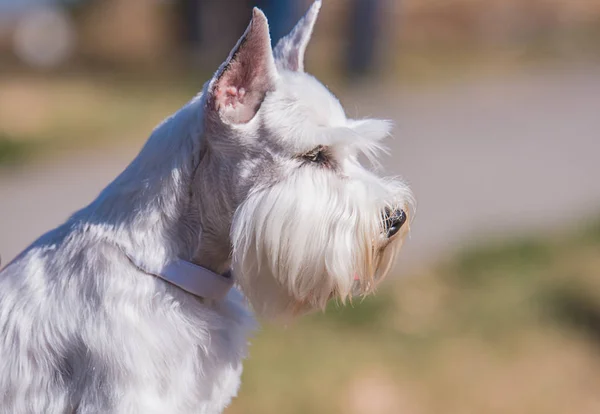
{"points": [[487, 157]]}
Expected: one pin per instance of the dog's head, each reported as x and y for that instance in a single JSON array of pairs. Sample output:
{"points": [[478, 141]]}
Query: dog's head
{"points": [[309, 221]]}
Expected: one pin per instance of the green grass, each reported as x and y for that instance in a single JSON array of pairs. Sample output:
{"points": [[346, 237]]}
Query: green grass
{"points": [[510, 327], [12, 151]]}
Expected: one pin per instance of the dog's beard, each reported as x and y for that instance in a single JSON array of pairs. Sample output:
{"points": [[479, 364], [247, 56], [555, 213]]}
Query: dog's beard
{"points": [[312, 237]]}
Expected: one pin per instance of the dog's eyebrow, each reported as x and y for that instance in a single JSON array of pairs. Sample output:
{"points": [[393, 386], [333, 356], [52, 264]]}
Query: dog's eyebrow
{"points": [[372, 129]]}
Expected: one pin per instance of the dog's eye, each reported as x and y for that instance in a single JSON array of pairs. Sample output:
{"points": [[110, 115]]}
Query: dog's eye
{"points": [[317, 155]]}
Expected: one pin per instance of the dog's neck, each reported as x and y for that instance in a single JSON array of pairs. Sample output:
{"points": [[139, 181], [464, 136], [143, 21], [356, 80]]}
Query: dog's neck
{"points": [[153, 211]]}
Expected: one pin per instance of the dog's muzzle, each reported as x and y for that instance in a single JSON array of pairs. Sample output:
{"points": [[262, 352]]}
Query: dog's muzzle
{"points": [[393, 221]]}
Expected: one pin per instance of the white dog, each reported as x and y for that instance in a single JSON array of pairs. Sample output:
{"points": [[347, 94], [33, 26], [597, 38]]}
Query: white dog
{"points": [[129, 306]]}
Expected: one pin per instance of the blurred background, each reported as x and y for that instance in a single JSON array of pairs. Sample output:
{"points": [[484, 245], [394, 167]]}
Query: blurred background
{"points": [[494, 306]]}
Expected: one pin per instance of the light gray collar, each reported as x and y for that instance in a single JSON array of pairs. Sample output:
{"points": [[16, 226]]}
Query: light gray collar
{"points": [[194, 279]]}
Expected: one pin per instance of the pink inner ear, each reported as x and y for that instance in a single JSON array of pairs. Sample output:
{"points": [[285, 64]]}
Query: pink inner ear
{"points": [[238, 104], [242, 87], [231, 96], [247, 75]]}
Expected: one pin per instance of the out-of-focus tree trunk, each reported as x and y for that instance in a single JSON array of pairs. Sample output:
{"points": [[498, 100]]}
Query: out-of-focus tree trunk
{"points": [[364, 29]]}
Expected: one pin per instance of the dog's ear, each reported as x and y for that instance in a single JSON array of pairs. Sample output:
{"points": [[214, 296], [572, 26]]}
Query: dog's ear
{"points": [[289, 51], [239, 86]]}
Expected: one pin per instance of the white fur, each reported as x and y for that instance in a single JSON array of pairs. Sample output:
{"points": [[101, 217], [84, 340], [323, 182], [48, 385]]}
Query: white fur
{"points": [[84, 331]]}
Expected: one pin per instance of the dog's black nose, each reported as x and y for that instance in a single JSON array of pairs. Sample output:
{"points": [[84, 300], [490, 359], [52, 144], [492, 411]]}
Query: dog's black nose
{"points": [[394, 220]]}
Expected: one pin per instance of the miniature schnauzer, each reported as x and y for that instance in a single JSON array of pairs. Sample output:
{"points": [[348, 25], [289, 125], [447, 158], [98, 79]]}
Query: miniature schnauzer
{"points": [[251, 196]]}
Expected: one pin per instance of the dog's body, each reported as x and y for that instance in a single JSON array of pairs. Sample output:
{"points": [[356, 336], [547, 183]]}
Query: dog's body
{"points": [[258, 174], [84, 330]]}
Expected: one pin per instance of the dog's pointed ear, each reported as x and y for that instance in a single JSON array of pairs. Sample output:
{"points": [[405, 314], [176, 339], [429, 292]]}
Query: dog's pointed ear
{"points": [[238, 88], [289, 51]]}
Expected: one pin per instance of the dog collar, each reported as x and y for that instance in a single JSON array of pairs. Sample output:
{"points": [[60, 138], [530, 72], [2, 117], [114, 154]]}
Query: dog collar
{"points": [[194, 279]]}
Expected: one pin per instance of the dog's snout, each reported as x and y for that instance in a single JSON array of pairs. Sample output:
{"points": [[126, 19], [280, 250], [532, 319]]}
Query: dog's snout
{"points": [[394, 220]]}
